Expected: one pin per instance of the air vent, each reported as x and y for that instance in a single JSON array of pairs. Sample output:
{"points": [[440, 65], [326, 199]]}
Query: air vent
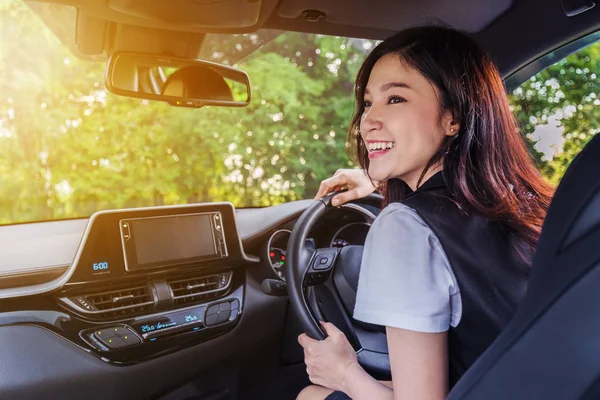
{"points": [[198, 289], [115, 303]]}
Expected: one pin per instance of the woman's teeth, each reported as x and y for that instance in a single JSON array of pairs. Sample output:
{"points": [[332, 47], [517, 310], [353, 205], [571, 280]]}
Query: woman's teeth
{"points": [[380, 146]]}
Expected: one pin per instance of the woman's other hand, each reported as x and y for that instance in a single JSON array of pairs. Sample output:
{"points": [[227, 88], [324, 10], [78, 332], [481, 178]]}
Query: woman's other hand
{"points": [[358, 183], [330, 361]]}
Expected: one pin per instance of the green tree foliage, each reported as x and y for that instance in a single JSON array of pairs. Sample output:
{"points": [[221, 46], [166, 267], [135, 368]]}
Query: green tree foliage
{"points": [[69, 148], [562, 102]]}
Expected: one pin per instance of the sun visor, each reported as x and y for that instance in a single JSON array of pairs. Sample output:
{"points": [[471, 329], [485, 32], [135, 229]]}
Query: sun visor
{"points": [[90, 34], [193, 13], [69, 26]]}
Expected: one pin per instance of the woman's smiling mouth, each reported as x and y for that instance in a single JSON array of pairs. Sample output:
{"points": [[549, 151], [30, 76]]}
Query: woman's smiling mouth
{"points": [[379, 148]]}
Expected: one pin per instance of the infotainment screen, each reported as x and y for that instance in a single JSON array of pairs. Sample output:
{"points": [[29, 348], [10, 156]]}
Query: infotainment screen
{"points": [[164, 241]]}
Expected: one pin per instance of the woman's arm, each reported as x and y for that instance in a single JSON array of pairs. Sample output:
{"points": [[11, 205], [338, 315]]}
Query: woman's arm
{"points": [[419, 364]]}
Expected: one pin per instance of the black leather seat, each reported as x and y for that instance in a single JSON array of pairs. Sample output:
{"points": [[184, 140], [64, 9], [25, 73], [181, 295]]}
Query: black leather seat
{"points": [[551, 348]]}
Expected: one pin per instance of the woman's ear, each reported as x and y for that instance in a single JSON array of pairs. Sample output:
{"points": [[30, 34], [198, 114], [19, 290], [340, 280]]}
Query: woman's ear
{"points": [[450, 126], [453, 130]]}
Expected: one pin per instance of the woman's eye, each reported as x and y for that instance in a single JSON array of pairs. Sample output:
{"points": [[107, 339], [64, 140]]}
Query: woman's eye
{"points": [[366, 103], [395, 100]]}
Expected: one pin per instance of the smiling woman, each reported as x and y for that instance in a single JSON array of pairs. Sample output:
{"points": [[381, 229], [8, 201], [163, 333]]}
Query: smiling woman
{"points": [[447, 260]]}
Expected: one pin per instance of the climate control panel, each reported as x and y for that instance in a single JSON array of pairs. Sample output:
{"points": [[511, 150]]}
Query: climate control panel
{"points": [[147, 329]]}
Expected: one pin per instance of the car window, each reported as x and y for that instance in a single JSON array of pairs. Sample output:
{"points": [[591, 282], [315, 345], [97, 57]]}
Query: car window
{"points": [[558, 110]]}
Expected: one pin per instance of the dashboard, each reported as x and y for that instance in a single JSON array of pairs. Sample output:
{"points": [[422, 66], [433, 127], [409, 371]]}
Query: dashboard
{"points": [[148, 282], [144, 281]]}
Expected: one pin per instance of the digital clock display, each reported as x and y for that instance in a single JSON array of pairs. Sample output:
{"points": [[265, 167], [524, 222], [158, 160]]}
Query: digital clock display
{"points": [[169, 322], [100, 267]]}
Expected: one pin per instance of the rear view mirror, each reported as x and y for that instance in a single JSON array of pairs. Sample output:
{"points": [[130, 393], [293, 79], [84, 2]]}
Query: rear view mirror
{"points": [[179, 82]]}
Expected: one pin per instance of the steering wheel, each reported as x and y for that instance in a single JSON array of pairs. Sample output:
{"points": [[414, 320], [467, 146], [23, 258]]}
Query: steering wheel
{"points": [[323, 281]]}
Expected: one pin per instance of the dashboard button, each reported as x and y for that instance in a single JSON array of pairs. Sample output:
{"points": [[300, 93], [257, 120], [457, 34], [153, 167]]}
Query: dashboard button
{"points": [[82, 302], [130, 339], [114, 342], [233, 315], [97, 344], [223, 316], [102, 334], [119, 330], [211, 320], [116, 337], [212, 309]]}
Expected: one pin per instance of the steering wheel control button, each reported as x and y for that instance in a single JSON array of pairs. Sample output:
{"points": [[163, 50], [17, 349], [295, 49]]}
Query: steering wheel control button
{"points": [[321, 265], [324, 259], [235, 304], [225, 306], [323, 262], [315, 278]]}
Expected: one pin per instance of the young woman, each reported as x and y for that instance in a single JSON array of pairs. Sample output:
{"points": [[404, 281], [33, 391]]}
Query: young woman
{"points": [[447, 260]]}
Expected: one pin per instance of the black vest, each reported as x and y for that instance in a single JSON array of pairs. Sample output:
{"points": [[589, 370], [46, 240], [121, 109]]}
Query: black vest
{"points": [[492, 276]]}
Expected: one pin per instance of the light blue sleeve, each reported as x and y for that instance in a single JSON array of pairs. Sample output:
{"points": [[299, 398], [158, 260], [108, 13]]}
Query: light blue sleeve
{"points": [[406, 280]]}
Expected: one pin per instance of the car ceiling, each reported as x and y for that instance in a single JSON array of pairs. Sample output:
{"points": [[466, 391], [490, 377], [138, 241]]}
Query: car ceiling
{"points": [[339, 17], [515, 32]]}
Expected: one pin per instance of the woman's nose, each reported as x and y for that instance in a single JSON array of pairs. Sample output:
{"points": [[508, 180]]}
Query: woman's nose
{"points": [[370, 120]]}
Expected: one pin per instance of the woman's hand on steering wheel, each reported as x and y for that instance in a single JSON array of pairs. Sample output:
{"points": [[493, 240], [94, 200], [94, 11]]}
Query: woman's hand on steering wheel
{"points": [[356, 180], [329, 362]]}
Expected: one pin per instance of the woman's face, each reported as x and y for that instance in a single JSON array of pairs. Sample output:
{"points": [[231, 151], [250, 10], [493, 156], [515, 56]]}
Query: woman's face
{"points": [[401, 125]]}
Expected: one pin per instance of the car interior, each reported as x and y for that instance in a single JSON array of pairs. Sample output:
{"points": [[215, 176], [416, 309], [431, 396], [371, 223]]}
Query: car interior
{"points": [[128, 303]]}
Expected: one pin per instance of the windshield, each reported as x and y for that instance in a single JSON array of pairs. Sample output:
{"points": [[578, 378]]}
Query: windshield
{"points": [[69, 148]]}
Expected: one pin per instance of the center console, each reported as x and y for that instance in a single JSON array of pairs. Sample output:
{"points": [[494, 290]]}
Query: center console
{"points": [[149, 281]]}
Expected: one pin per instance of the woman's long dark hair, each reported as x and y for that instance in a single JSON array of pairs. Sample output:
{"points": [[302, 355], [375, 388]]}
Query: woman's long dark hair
{"points": [[487, 167]]}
